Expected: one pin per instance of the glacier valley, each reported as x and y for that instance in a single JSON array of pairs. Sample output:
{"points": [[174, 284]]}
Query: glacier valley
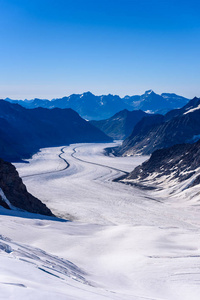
{"points": [[110, 240]]}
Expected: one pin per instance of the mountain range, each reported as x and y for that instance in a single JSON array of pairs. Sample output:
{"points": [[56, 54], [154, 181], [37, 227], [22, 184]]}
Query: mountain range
{"points": [[24, 131], [158, 131], [93, 107]]}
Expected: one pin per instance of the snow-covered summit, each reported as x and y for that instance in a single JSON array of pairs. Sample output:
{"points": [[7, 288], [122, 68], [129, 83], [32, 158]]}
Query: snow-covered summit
{"points": [[149, 92]]}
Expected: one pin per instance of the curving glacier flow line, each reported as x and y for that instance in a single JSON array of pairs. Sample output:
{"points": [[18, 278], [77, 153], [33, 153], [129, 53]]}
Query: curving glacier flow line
{"points": [[50, 172], [68, 165], [96, 164]]}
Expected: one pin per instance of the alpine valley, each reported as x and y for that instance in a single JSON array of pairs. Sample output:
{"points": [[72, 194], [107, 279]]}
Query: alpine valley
{"points": [[86, 217]]}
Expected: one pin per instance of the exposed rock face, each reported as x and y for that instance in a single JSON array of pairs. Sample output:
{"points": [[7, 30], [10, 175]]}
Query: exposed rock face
{"points": [[121, 124], [16, 193], [175, 164], [156, 132]]}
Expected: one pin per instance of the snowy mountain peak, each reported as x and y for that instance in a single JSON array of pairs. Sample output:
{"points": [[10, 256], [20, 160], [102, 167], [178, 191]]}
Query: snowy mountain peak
{"points": [[149, 92]]}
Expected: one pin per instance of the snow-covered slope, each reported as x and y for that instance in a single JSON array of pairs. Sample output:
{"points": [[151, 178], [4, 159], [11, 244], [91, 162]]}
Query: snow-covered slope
{"points": [[173, 171], [123, 243]]}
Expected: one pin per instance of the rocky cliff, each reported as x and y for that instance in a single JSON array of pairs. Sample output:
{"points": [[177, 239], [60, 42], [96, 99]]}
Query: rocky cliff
{"points": [[13, 193], [176, 165]]}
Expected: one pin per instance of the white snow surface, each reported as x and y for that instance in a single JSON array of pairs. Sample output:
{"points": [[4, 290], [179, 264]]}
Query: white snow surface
{"points": [[122, 243], [192, 109]]}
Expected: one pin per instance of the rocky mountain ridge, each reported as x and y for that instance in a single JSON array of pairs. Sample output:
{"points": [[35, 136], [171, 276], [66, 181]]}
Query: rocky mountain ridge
{"points": [[93, 107]]}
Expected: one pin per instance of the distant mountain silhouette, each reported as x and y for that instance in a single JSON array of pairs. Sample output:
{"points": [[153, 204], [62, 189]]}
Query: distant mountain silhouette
{"points": [[121, 124], [158, 131], [93, 107], [24, 131], [154, 103]]}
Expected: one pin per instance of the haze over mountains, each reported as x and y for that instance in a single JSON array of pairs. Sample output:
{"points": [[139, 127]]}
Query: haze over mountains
{"points": [[93, 107]]}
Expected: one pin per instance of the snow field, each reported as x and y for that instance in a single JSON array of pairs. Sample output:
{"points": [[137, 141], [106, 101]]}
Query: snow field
{"points": [[123, 243]]}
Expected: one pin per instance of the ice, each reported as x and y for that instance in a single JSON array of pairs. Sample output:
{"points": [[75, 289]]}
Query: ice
{"points": [[122, 243]]}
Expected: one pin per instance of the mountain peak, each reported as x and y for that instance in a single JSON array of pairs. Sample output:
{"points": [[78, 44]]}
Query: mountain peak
{"points": [[149, 92], [91, 106], [87, 94]]}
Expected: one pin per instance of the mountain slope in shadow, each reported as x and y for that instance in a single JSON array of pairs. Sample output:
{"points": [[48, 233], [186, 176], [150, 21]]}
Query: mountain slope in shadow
{"points": [[158, 131], [24, 131], [121, 124]]}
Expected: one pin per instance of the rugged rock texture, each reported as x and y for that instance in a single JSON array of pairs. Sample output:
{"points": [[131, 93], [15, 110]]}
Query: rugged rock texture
{"points": [[177, 163], [121, 124], [93, 107], [156, 132], [16, 192], [24, 131]]}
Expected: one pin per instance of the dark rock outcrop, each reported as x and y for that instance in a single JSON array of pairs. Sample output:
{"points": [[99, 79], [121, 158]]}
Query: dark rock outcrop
{"points": [[16, 193], [177, 163]]}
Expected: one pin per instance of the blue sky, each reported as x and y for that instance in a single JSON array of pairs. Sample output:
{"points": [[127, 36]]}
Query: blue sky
{"points": [[54, 48]]}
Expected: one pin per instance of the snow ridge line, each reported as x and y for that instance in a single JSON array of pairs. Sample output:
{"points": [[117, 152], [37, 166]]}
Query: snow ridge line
{"points": [[50, 172]]}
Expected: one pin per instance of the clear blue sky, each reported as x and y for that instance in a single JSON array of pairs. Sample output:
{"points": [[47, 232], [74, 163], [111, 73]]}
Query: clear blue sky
{"points": [[54, 48]]}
